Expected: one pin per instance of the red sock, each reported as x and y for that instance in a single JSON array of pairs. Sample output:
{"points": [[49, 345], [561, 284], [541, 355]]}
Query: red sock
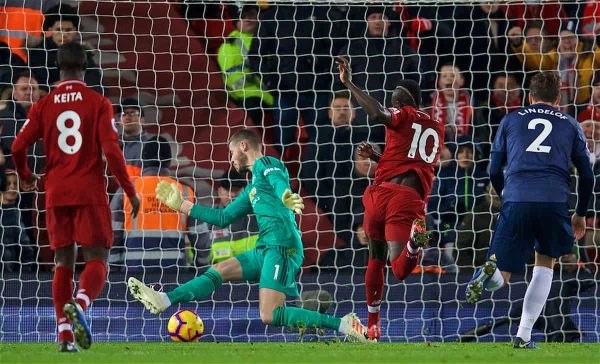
{"points": [[91, 282], [404, 264], [62, 292], [374, 284]]}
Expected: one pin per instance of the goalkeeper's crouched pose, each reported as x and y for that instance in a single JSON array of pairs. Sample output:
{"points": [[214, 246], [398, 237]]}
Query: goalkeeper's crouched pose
{"points": [[277, 257]]}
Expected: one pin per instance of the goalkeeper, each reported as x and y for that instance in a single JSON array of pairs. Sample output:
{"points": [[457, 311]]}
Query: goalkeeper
{"points": [[277, 257]]}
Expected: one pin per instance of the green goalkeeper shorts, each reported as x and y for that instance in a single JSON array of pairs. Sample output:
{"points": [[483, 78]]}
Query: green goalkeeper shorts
{"points": [[274, 267]]}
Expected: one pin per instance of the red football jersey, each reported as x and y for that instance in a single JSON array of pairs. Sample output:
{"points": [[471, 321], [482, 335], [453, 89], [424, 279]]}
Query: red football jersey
{"points": [[75, 124], [413, 141]]}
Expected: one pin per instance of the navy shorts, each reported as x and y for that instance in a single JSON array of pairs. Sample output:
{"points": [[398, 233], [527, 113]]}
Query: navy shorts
{"points": [[523, 226]]}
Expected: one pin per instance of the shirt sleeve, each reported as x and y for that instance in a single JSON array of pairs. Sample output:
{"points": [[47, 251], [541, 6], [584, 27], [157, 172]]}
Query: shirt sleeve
{"points": [[499, 145], [397, 117], [239, 207], [29, 134], [273, 172], [580, 148], [107, 134]]}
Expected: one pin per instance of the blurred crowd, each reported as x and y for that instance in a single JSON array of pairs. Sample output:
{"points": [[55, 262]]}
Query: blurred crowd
{"points": [[277, 62]]}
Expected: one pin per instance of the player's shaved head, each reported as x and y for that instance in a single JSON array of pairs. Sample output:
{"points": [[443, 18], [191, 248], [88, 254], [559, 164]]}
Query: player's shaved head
{"points": [[545, 87], [71, 58], [247, 135], [407, 93]]}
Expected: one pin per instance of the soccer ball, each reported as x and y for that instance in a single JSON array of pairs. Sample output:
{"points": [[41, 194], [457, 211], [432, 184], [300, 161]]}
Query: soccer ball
{"points": [[185, 326]]}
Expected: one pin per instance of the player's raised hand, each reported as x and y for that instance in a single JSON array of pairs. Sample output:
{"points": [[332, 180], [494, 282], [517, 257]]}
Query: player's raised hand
{"points": [[578, 224], [344, 68], [365, 150], [135, 206], [292, 201], [169, 194]]}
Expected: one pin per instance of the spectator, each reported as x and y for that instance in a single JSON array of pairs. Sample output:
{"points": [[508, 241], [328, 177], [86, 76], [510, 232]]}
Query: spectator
{"points": [[131, 115], [243, 86], [293, 55], [214, 244], [592, 110], [380, 59], [451, 103], [574, 63], [591, 130], [481, 46], [457, 193], [328, 164], [61, 22], [349, 211], [17, 253], [156, 236], [505, 97], [25, 93], [529, 44], [10, 65], [551, 13]]}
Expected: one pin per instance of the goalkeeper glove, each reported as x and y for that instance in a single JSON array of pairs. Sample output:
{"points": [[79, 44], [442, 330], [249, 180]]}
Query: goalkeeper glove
{"points": [[169, 194], [292, 201]]}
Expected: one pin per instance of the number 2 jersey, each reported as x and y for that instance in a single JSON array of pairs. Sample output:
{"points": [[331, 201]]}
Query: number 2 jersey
{"points": [[539, 143], [76, 126], [413, 142]]}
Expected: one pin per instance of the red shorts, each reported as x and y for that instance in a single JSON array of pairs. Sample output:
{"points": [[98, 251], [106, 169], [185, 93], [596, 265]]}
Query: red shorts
{"points": [[90, 226], [390, 210]]}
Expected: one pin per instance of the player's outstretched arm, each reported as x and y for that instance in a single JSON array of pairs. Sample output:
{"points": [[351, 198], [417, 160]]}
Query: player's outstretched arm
{"points": [[372, 107], [169, 194]]}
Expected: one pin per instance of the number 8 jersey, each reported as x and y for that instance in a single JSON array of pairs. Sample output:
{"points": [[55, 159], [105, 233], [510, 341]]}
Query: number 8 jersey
{"points": [[413, 141], [76, 126]]}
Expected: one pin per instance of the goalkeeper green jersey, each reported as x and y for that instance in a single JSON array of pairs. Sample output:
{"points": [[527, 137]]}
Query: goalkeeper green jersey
{"points": [[276, 223]]}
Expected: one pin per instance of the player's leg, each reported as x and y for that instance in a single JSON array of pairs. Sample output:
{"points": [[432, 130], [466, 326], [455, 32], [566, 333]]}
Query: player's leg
{"points": [[60, 235], [278, 279], [535, 299], [193, 290], [554, 238], [405, 229], [405, 242], [374, 279], [91, 283], [374, 227], [511, 244], [93, 277], [62, 292]]}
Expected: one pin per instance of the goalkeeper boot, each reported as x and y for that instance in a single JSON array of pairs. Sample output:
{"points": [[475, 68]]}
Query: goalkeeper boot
{"points": [[81, 329], [354, 330], [419, 236], [150, 298], [519, 343], [374, 333], [479, 280], [67, 347]]}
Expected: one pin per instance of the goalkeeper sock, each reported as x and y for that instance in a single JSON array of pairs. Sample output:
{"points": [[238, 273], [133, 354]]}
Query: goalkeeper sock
{"points": [[404, 264], [91, 282], [197, 288], [374, 284], [62, 292], [300, 317], [535, 298]]}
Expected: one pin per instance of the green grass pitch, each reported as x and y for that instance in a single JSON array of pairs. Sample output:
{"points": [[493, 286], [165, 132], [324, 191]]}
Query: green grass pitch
{"points": [[326, 353]]}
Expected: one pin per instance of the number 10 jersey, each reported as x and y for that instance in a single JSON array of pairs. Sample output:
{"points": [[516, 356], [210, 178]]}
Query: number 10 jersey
{"points": [[413, 141]]}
